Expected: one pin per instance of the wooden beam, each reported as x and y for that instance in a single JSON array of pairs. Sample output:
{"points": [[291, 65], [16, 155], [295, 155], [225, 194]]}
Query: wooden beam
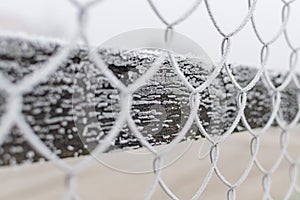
{"points": [[76, 106]]}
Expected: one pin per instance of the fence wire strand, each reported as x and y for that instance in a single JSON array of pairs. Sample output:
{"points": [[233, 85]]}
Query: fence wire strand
{"points": [[13, 115]]}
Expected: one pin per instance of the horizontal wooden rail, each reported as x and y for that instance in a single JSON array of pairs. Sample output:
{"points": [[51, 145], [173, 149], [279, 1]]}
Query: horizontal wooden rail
{"points": [[76, 106]]}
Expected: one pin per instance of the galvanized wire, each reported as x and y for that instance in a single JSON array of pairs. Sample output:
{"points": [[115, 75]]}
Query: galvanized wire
{"points": [[14, 116]]}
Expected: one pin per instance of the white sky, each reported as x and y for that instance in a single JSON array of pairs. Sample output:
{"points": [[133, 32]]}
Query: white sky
{"points": [[56, 18]]}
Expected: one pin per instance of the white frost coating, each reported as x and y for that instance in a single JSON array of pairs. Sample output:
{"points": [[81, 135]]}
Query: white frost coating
{"points": [[13, 114]]}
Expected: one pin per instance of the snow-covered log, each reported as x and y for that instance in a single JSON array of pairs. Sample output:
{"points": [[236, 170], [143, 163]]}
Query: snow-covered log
{"points": [[77, 106]]}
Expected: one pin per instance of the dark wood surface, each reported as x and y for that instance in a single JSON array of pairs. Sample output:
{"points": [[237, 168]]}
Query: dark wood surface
{"points": [[76, 106]]}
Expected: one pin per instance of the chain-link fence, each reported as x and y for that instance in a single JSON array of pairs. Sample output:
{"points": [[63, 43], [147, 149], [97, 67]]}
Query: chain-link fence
{"points": [[244, 106]]}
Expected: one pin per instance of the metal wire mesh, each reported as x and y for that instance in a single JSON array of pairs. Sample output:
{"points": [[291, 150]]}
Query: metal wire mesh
{"points": [[13, 115]]}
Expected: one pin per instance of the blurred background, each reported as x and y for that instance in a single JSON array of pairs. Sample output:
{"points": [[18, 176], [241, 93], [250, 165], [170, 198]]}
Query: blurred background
{"points": [[57, 18]]}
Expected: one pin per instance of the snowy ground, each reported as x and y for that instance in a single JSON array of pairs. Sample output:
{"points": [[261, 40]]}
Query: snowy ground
{"points": [[44, 181]]}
